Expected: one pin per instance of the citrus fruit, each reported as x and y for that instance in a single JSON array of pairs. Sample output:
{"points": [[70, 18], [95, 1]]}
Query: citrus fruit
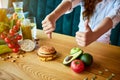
{"points": [[87, 59]]}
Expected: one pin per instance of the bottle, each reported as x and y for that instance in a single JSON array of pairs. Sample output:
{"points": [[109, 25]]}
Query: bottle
{"points": [[18, 8]]}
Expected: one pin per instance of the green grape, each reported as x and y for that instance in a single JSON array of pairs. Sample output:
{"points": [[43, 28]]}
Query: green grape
{"points": [[4, 49]]}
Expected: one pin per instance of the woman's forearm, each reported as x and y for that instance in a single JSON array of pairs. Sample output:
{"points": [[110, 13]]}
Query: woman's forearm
{"points": [[61, 8], [104, 26]]}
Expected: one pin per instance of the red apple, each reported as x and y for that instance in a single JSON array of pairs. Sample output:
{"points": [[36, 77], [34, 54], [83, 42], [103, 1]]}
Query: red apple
{"points": [[77, 66]]}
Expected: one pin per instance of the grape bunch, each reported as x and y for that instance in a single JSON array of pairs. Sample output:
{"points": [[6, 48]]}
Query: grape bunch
{"points": [[12, 37]]}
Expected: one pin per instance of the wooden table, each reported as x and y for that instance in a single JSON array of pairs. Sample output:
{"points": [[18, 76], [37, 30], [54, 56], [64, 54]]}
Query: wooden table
{"points": [[29, 67]]}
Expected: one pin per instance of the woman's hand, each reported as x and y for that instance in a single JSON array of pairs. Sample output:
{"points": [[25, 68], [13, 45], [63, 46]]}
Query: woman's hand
{"points": [[85, 38], [48, 25]]}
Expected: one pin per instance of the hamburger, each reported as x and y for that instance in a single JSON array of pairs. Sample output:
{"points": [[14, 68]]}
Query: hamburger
{"points": [[46, 53]]}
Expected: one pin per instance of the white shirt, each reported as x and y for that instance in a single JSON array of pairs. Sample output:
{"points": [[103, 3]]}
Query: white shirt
{"points": [[105, 8]]}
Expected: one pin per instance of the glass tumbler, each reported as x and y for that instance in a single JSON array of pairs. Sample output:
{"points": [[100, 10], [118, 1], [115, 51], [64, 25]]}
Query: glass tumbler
{"points": [[28, 28]]}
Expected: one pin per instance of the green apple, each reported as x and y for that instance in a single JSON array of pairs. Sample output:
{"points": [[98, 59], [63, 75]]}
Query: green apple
{"points": [[74, 50]]}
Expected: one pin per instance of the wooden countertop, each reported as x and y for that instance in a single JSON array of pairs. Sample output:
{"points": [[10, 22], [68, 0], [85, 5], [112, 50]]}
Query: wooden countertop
{"points": [[106, 60]]}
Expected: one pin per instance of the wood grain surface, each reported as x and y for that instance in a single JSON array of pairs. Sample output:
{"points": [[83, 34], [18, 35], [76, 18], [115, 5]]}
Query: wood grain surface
{"points": [[29, 67]]}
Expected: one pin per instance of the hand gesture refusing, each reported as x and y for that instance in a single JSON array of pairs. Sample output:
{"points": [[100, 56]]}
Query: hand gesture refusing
{"points": [[48, 25]]}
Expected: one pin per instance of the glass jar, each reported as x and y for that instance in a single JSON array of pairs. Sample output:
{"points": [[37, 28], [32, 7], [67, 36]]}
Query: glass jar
{"points": [[28, 28], [18, 8]]}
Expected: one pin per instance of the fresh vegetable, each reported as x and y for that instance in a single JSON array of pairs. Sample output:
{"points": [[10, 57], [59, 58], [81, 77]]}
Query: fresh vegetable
{"points": [[4, 49], [2, 42]]}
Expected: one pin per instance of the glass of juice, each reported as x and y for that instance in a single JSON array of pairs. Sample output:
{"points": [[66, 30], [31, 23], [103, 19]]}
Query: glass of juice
{"points": [[28, 28], [33, 26]]}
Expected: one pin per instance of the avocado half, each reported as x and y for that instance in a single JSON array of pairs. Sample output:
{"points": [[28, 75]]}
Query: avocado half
{"points": [[68, 59]]}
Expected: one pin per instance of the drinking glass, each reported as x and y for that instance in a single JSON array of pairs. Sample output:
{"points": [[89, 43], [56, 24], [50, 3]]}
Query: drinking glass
{"points": [[33, 26], [28, 28]]}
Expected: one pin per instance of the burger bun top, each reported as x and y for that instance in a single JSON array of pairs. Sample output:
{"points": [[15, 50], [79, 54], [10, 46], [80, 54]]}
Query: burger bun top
{"points": [[46, 50]]}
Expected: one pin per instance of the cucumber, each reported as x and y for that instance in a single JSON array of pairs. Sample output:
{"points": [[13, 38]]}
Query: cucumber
{"points": [[2, 42], [4, 49]]}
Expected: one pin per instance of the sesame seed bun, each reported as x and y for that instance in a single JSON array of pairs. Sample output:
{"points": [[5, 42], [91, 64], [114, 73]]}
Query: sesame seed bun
{"points": [[46, 50], [46, 53]]}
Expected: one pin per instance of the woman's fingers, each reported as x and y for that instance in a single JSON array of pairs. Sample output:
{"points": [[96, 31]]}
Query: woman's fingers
{"points": [[80, 34], [46, 28], [80, 42], [49, 35], [43, 22], [81, 38], [49, 30], [48, 25]]}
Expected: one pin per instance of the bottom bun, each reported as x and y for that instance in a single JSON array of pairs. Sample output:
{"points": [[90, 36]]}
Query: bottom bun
{"points": [[48, 58]]}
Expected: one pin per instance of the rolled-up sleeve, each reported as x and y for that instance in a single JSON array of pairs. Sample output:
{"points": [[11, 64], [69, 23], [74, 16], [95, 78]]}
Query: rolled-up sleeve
{"points": [[114, 14]]}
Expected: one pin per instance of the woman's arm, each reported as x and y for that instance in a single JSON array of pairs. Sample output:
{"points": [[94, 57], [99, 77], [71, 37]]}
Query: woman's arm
{"points": [[61, 9], [89, 36], [104, 26], [48, 23], [64, 6], [111, 19]]}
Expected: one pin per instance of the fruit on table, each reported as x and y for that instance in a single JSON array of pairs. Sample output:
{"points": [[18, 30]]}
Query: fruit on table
{"points": [[74, 50], [68, 59], [11, 40], [9, 30], [4, 49], [87, 59], [77, 66]]}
